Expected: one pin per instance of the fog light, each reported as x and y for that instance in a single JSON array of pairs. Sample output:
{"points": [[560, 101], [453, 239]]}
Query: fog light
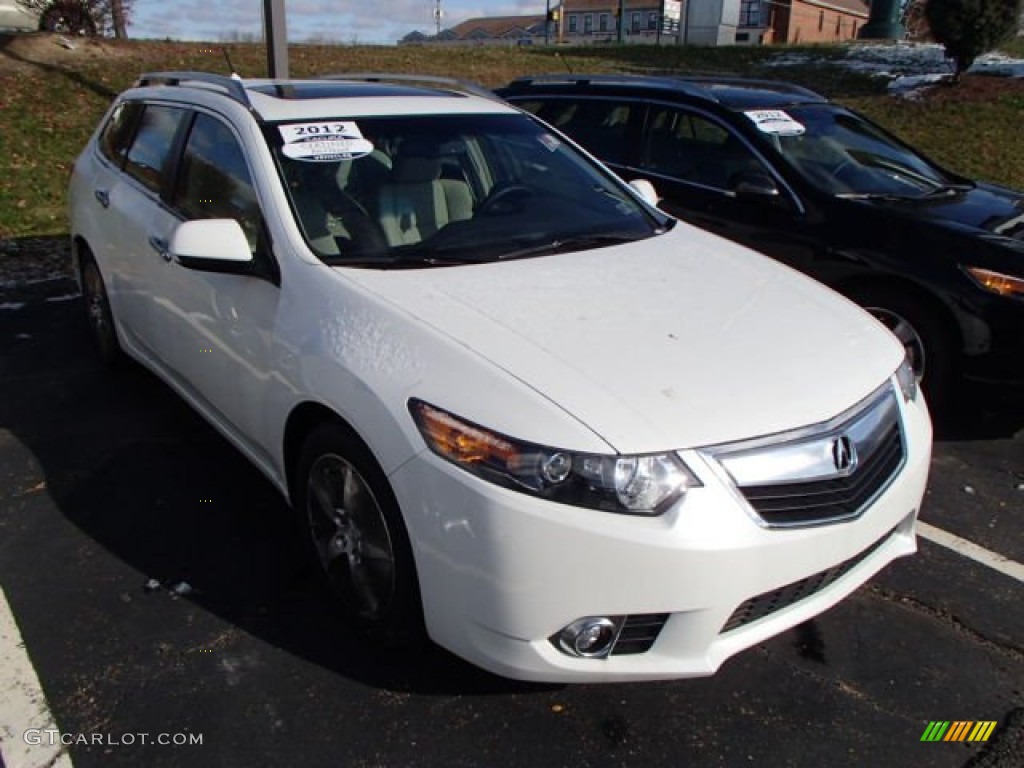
{"points": [[589, 638]]}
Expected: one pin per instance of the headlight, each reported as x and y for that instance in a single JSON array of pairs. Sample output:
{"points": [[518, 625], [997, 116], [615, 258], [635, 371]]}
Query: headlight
{"points": [[996, 282], [635, 485], [907, 379]]}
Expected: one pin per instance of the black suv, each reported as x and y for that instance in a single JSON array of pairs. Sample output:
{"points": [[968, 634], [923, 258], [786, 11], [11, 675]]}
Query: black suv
{"points": [[936, 257]]}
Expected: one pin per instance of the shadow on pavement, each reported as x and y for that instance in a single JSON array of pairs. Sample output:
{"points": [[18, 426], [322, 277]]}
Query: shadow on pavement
{"points": [[138, 472], [133, 468]]}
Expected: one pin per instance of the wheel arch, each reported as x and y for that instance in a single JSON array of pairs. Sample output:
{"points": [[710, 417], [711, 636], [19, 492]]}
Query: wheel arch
{"points": [[80, 254], [302, 420], [860, 285]]}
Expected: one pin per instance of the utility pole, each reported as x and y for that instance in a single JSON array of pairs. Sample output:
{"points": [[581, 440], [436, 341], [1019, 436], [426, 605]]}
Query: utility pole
{"points": [[275, 34], [438, 15], [622, 18]]}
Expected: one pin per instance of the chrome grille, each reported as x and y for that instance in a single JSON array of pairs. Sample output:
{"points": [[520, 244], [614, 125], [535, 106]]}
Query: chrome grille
{"points": [[768, 603], [822, 474], [841, 498]]}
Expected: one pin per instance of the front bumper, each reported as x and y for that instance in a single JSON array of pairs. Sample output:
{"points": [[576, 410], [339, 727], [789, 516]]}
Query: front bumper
{"points": [[502, 572]]}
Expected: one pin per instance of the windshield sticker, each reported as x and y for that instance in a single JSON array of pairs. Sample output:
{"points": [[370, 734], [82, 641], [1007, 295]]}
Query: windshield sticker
{"points": [[550, 142], [324, 142], [775, 121]]}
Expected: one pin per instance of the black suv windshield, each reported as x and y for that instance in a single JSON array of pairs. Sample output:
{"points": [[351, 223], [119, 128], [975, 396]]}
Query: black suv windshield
{"points": [[445, 189], [847, 156]]}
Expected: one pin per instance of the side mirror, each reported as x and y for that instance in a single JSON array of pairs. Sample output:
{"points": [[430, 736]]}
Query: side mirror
{"points": [[647, 192], [212, 245], [750, 185]]}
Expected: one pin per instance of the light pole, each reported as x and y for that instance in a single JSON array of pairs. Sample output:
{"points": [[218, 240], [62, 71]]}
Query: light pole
{"points": [[275, 34]]}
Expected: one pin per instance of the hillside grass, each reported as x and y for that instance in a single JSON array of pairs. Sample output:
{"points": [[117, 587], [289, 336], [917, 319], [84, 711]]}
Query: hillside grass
{"points": [[51, 98]]}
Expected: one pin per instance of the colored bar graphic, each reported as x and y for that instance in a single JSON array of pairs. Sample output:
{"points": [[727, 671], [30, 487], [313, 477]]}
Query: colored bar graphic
{"points": [[959, 730], [982, 730]]}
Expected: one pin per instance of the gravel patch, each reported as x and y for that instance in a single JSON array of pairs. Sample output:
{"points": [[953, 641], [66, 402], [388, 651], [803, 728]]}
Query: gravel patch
{"points": [[27, 261]]}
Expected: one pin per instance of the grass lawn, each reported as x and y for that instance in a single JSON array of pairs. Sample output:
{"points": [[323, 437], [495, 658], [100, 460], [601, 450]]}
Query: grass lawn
{"points": [[51, 98]]}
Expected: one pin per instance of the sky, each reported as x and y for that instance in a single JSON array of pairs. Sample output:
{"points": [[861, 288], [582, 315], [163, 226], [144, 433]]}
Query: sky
{"points": [[341, 21]]}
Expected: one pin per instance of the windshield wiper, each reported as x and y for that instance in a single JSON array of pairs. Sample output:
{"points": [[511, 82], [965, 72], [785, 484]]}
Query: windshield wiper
{"points": [[946, 190], [940, 190], [407, 261], [575, 243], [889, 196]]}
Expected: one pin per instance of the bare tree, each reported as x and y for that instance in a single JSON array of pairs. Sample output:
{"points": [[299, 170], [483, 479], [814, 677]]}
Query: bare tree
{"points": [[82, 17], [119, 18]]}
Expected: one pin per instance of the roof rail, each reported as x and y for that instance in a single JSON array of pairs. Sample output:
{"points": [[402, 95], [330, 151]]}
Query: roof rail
{"points": [[655, 81], [388, 77], [694, 85], [777, 85], [231, 85]]}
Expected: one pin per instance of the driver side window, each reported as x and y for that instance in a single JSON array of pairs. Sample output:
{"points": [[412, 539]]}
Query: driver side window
{"points": [[214, 181]]}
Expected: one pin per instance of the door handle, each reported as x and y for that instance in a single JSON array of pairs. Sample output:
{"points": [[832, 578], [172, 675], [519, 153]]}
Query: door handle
{"points": [[103, 196], [159, 245]]}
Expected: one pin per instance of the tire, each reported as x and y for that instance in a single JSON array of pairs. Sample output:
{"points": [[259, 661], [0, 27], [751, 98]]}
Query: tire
{"points": [[357, 536], [930, 345], [100, 316]]}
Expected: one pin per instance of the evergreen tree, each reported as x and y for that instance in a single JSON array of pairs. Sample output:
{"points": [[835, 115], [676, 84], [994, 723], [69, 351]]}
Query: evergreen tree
{"points": [[969, 28]]}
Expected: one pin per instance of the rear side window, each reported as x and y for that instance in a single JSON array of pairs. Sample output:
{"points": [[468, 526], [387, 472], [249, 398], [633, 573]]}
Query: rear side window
{"points": [[118, 132], [214, 181], [152, 145], [600, 125]]}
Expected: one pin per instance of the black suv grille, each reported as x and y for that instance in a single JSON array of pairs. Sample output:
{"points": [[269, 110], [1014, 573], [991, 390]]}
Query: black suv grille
{"points": [[769, 602], [837, 498]]}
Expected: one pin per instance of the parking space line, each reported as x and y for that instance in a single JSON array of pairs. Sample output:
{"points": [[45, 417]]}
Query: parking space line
{"points": [[24, 713], [993, 560]]}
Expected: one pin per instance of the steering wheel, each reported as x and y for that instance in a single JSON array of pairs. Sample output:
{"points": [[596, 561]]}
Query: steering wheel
{"points": [[503, 198]]}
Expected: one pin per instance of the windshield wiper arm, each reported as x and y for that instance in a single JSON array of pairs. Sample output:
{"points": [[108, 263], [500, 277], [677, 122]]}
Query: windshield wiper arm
{"points": [[574, 243], [407, 261], [874, 196], [944, 190]]}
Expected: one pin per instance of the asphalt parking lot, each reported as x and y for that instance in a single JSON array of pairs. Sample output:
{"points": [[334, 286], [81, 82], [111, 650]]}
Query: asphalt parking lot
{"points": [[113, 495]]}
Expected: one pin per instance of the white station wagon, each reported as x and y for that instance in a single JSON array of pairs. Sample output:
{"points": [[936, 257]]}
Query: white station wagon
{"points": [[517, 407]]}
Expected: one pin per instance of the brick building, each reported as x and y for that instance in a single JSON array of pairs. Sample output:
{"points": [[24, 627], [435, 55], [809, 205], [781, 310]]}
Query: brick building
{"points": [[705, 22]]}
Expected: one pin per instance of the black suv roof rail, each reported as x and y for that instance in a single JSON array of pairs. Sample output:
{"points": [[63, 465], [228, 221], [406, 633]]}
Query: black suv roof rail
{"points": [[692, 85], [388, 77], [231, 85], [659, 81]]}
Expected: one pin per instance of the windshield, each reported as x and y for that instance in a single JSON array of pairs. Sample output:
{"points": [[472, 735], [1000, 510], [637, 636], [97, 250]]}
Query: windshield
{"points": [[847, 156], [448, 189]]}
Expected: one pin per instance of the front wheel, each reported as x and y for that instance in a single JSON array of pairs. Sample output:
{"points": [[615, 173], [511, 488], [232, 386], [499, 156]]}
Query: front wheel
{"points": [[929, 346], [358, 536]]}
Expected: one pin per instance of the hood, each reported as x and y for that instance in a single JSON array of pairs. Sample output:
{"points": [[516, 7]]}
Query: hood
{"points": [[677, 341], [983, 210]]}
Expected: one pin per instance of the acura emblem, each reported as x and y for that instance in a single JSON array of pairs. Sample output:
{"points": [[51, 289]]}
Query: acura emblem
{"points": [[844, 455]]}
